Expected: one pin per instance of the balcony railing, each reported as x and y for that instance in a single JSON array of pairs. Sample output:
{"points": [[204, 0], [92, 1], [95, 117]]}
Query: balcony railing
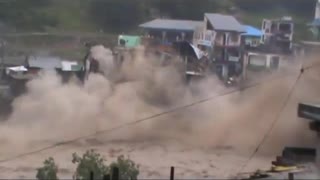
{"points": [[205, 38], [234, 59], [219, 42], [228, 59]]}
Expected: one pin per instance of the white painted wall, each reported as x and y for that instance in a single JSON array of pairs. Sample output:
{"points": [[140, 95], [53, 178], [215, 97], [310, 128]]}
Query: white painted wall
{"points": [[261, 60], [317, 10]]}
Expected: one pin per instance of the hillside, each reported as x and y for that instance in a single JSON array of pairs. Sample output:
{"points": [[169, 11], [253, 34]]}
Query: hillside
{"points": [[115, 16]]}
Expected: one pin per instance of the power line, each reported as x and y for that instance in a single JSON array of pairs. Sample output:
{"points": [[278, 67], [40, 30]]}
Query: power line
{"points": [[277, 117], [302, 70], [105, 131]]}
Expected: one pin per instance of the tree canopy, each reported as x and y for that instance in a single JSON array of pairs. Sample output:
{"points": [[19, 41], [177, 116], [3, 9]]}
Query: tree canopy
{"points": [[118, 16]]}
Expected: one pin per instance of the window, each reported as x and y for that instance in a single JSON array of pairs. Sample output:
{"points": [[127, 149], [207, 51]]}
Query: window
{"points": [[285, 27], [234, 37]]}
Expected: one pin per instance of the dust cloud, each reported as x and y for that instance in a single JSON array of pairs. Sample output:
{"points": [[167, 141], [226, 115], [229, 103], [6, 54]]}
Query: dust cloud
{"points": [[54, 112]]}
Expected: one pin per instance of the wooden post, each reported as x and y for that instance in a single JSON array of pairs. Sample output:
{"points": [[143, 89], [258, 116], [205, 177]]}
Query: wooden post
{"points": [[91, 176], [290, 176], [115, 173], [172, 173]]}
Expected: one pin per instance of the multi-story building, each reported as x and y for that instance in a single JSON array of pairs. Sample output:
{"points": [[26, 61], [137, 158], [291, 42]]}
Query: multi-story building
{"points": [[278, 35], [220, 37]]}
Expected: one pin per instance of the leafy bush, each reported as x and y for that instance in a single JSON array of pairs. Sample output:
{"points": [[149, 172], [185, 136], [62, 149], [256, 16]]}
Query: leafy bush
{"points": [[89, 162], [48, 171], [128, 170]]}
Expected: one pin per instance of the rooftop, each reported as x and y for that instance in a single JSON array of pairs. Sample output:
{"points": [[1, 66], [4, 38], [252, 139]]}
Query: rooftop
{"points": [[44, 62], [224, 22], [252, 31], [170, 24]]}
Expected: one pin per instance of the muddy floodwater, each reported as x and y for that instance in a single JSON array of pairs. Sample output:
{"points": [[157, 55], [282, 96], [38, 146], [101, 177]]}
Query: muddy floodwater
{"points": [[211, 139]]}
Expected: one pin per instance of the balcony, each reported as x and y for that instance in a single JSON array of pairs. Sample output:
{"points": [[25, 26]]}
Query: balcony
{"points": [[204, 38], [229, 43], [233, 59], [230, 59]]}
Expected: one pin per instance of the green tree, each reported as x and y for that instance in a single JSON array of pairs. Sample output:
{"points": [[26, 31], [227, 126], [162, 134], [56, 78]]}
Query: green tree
{"points": [[48, 171], [27, 14], [119, 15], [189, 9], [90, 161], [128, 170]]}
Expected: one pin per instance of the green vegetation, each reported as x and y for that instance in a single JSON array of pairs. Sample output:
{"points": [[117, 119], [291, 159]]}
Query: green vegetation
{"points": [[116, 16], [48, 171], [128, 169], [91, 162]]}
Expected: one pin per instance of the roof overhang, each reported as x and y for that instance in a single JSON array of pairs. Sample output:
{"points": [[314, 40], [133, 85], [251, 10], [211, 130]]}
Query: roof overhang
{"points": [[171, 25], [232, 19], [167, 29]]}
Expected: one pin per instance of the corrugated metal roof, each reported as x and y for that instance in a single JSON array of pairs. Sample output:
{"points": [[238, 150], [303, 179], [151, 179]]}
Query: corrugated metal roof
{"points": [[224, 22], [14, 61], [44, 62], [169, 24], [252, 31]]}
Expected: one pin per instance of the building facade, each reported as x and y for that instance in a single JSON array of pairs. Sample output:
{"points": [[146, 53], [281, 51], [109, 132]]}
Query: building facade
{"points": [[220, 37], [278, 34]]}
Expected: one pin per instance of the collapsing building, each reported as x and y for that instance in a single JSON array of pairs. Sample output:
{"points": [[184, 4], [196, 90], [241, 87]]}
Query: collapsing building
{"points": [[18, 76], [221, 34], [230, 46], [217, 36]]}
